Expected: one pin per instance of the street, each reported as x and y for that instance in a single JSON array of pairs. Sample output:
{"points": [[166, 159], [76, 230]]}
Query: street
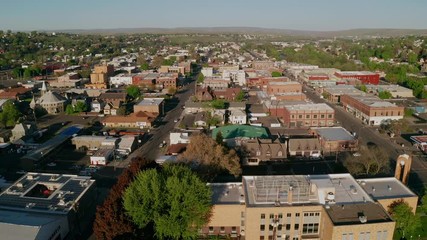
{"points": [[369, 135]]}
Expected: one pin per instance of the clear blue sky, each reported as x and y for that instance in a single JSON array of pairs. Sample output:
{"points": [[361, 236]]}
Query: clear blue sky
{"points": [[286, 14]]}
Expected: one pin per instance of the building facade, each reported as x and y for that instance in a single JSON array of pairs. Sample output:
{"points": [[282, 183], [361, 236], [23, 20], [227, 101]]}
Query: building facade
{"points": [[308, 115]]}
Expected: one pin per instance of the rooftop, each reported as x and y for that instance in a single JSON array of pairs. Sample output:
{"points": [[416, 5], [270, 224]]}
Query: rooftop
{"points": [[245, 131], [334, 134], [357, 214], [150, 101], [327, 189], [309, 107], [343, 89], [44, 192], [227, 193], [385, 188], [356, 73], [373, 101]]}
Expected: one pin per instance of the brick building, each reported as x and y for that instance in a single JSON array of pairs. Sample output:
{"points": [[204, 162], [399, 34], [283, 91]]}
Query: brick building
{"points": [[150, 105], [274, 87], [364, 77], [371, 109], [308, 115]]}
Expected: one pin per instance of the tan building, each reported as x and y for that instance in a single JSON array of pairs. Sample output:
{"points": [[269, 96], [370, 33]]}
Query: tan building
{"points": [[262, 65], [307, 115], [335, 139], [316, 207], [100, 76], [371, 109], [133, 120], [150, 105], [283, 87], [172, 69]]}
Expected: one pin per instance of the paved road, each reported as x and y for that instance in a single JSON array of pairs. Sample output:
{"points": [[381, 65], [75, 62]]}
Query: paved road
{"points": [[150, 149], [368, 134]]}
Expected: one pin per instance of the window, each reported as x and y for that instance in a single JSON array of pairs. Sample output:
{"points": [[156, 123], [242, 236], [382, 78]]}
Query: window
{"points": [[329, 115], [288, 227], [296, 214], [261, 238], [317, 214], [263, 216], [262, 227], [258, 153], [296, 226], [288, 215], [364, 236], [299, 116], [307, 116], [270, 227], [322, 116], [233, 229], [310, 228], [279, 227], [382, 235], [314, 116], [280, 216], [279, 154], [222, 229], [292, 116], [271, 216], [211, 229]]}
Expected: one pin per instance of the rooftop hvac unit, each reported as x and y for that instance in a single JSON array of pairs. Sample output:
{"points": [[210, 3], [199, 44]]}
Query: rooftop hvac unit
{"points": [[363, 219]]}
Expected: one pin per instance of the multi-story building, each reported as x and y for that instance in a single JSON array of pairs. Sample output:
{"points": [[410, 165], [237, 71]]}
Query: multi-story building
{"points": [[334, 93], [335, 139], [262, 65], [308, 115], [172, 69], [121, 79], [283, 87], [46, 206], [332, 206], [100, 75], [396, 91], [371, 109], [207, 71], [364, 77], [216, 83], [238, 77], [237, 116], [259, 150]]}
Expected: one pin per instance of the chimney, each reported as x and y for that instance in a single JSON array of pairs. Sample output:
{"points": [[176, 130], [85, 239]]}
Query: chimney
{"points": [[290, 195]]}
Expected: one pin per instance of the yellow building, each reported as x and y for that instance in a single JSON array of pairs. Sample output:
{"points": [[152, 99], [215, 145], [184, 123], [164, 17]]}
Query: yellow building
{"points": [[316, 207]]}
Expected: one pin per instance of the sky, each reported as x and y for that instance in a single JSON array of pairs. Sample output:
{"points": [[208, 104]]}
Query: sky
{"points": [[321, 15]]}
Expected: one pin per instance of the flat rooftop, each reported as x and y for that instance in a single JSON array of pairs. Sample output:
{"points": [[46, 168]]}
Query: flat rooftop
{"points": [[44, 192], [357, 214], [227, 193], [356, 73], [310, 107], [327, 189], [150, 101], [373, 101], [343, 89], [385, 188], [284, 83], [334, 134]]}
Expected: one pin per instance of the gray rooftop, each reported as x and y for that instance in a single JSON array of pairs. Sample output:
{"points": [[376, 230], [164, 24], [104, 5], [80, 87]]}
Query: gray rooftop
{"points": [[150, 101], [227, 193], [334, 134], [44, 192], [385, 188]]}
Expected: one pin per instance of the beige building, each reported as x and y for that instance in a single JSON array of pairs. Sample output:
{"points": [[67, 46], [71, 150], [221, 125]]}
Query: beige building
{"points": [[334, 206], [100, 76], [150, 105]]}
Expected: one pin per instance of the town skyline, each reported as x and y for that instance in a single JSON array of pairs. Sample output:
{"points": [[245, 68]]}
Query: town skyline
{"points": [[302, 15]]}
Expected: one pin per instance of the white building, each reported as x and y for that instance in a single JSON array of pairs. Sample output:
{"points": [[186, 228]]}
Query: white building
{"points": [[127, 144], [237, 117], [121, 79], [45, 206], [207, 71], [179, 137], [235, 76], [102, 156], [97, 106]]}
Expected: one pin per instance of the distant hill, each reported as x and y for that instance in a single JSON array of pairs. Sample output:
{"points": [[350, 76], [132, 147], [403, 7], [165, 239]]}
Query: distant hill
{"points": [[254, 30]]}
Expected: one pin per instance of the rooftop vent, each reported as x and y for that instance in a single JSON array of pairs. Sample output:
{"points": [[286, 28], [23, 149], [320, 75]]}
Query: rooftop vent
{"points": [[389, 187], [373, 189], [353, 189], [277, 203], [54, 177], [30, 205], [363, 218], [20, 185], [30, 177]]}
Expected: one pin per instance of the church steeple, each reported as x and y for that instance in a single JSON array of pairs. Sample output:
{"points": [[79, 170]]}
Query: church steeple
{"points": [[44, 88]]}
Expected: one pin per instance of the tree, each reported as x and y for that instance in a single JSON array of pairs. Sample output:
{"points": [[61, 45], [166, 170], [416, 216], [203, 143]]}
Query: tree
{"points": [[121, 111], [172, 90], [69, 109], [372, 161], [276, 74], [210, 158], [219, 138], [218, 104], [174, 199], [240, 96], [384, 95], [145, 66], [81, 107], [133, 91], [200, 78], [362, 88], [9, 115], [407, 222], [111, 222]]}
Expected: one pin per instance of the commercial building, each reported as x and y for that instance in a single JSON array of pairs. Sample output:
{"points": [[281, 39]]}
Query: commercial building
{"points": [[335, 139], [100, 76], [45, 206], [102, 156], [395, 90], [234, 134], [334, 93], [150, 105], [283, 87], [133, 120], [172, 69], [262, 65], [371, 109], [238, 77], [308, 115], [317, 207], [122, 79], [364, 77]]}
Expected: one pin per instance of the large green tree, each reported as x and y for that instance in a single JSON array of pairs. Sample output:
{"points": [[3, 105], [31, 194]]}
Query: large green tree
{"points": [[9, 115], [174, 199], [407, 222], [384, 95]]}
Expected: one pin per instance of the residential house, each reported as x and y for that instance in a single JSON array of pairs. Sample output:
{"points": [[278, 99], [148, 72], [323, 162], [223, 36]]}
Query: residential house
{"points": [[18, 93], [228, 94], [97, 106], [113, 101], [204, 94], [237, 116], [234, 134], [201, 119], [304, 147], [260, 150], [179, 137]]}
